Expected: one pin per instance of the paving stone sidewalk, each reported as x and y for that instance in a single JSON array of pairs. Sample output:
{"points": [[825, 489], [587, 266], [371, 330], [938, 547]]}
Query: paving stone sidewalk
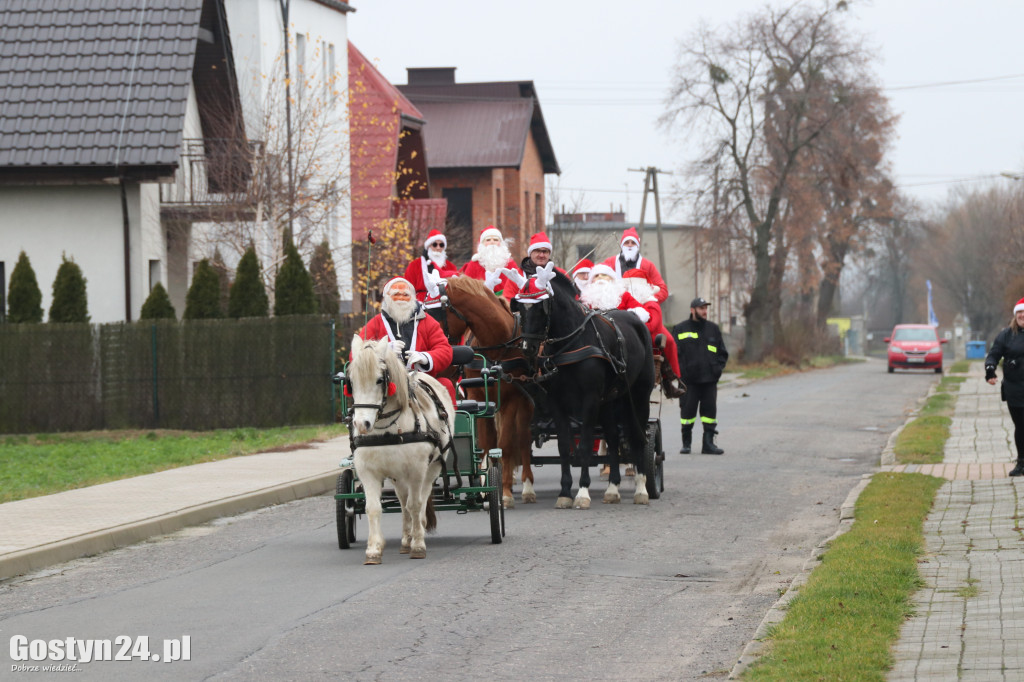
{"points": [[970, 614]]}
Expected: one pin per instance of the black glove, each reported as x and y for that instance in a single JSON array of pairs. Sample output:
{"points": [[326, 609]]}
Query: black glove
{"points": [[990, 372]]}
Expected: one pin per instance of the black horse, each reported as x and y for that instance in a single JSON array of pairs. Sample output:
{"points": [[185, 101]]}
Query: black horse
{"points": [[597, 369]]}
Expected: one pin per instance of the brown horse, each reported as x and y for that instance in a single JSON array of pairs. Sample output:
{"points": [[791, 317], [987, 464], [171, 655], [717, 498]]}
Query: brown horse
{"points": [[471, 305]]}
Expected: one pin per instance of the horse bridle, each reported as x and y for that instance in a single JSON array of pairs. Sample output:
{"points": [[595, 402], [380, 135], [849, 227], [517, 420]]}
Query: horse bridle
{"points": [[446, 305], [384, 381]]}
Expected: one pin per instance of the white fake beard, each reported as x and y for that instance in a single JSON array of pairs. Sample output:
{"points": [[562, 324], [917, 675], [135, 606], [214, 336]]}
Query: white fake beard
{"points": [[602, 295], [399, 311], [439, 258], [639, 289], [493, 256], [630, 253]]}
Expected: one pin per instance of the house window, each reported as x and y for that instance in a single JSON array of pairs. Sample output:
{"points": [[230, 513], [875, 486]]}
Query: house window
{"points": [[154, 273], [459, 223], [585, 251], [329, 76], [300, 62]]}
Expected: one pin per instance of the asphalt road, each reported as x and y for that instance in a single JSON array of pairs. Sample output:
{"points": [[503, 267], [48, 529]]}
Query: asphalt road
{"points": [[672, 591]]}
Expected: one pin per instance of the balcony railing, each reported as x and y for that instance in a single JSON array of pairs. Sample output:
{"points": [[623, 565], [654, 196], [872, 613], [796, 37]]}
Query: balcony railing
{"points": [[211, 173]]}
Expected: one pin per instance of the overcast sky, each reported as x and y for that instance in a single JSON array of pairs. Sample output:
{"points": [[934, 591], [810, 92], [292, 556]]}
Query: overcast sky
{"points": [[602, 70]]}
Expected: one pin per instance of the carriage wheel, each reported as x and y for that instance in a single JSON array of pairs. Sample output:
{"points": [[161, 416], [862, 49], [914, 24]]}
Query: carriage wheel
{"points": [[494, 504], [345, 510], [655, 470]]}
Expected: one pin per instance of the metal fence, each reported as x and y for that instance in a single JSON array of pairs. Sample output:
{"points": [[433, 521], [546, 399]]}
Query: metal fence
{"points": [[191, 375]]}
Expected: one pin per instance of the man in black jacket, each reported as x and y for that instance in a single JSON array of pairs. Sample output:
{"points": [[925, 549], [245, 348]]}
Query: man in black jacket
{"points": [[702, 357]]}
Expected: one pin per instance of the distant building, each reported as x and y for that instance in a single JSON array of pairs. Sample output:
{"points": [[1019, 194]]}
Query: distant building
{"points": [[488, 150]]}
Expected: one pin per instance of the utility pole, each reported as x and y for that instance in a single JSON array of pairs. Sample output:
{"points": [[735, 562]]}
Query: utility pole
{"points": [[651, 186], [285, 4]]}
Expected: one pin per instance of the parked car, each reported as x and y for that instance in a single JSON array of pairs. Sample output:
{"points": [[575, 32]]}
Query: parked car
{"points": [[915, 346]]}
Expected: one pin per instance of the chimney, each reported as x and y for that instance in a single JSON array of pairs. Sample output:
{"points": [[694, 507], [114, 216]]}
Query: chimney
{"points": [[437, 75]]}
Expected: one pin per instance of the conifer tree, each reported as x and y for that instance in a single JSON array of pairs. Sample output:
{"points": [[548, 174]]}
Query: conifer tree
{"points": [[203, 299], [325, 279], [293, 287], [223, 278], [248, 295], [70, 303], [24, 299], [158, 305]]}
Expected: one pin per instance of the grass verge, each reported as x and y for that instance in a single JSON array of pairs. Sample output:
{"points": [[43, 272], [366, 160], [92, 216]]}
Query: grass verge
{"points": [[772, 368], [923, 440], [33, 465], [959, 367], [845, 619]]}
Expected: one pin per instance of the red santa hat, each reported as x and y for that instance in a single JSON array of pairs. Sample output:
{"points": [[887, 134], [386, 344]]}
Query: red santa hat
{"points": [[538, 241], [391, 283], [1019, 306], [583, 266], [490, 231], [433, 236], [630, 234], [602, 269], [635, 273]]}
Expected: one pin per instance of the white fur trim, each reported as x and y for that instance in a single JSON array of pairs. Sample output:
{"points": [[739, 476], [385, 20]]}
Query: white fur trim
{"points": [[489, 232], [427, 242], [1017, 308], [644, 316], [602, 269], [538, 245]]}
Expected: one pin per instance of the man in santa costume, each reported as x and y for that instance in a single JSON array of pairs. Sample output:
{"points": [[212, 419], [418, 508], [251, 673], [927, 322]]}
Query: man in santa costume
{"points": [[491, 256], [629, 258], [432, 258], [581, 273], [415, 336], [538, 254], [639, 287], [606, 291]]}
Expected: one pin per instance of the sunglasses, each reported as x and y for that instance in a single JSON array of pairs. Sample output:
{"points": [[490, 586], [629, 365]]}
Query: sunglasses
{"points": [[438, 244]]}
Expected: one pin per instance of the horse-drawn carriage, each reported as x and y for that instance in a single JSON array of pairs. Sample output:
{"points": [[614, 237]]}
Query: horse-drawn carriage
{"points": [[460, 476], [577, 375]]}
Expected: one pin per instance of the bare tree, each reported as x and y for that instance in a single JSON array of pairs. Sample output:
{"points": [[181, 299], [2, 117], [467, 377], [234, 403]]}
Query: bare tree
{"points": [[252, 200], [760, 94]]}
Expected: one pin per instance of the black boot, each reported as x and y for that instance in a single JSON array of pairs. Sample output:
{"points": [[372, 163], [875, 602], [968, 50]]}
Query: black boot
{"points": [[687, 439], [709, 443], [1019, 469]]}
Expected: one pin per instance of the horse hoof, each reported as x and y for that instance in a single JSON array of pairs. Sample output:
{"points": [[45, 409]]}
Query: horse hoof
{"points": [[404, 549], [529, 498], [582, 503], [612, 499], [372, 560], [563, 503], [420, 553], [509, 501], [641, 498]]}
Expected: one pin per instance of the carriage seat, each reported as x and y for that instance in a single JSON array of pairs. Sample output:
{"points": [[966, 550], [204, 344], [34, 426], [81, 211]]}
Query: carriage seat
{"points": [[462, 355]]}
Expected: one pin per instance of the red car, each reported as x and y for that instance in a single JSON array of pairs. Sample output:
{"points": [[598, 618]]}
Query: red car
{"points": [[915, 346]]}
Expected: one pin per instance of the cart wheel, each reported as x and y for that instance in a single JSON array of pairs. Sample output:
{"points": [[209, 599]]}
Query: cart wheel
{"points": [[345, 510], [655, 474], [660, 456], [495, 507]]}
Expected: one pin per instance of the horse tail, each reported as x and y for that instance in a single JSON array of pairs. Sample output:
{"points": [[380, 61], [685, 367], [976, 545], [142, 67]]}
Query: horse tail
{"points": [[431, 515]]}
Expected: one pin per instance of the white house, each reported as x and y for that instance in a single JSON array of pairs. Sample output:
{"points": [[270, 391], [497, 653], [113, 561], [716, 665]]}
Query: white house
{"points": [[122, 124]]}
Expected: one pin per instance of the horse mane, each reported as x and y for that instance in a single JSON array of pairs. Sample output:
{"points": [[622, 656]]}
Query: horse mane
{"points": [[474, 287], [366, 356]]}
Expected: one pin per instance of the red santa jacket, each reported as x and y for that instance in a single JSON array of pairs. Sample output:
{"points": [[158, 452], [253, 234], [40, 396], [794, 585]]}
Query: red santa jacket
{"points": [[653, 276], [655, 325], [476, 271], [416, 272], [428, 338]]}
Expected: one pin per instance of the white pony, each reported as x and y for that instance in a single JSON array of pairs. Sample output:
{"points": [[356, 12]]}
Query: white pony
{"points": [[398, 434]]}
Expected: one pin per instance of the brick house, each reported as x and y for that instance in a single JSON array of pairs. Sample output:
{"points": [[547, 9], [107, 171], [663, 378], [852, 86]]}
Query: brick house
{"points": [[488, 151]]}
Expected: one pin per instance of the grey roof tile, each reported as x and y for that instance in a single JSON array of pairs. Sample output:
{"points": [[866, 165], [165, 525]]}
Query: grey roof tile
{"points": [[94, 82]]}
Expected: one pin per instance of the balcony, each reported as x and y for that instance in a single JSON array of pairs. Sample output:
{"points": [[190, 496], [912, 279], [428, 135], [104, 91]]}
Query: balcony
{"points": [[213, 181]]}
